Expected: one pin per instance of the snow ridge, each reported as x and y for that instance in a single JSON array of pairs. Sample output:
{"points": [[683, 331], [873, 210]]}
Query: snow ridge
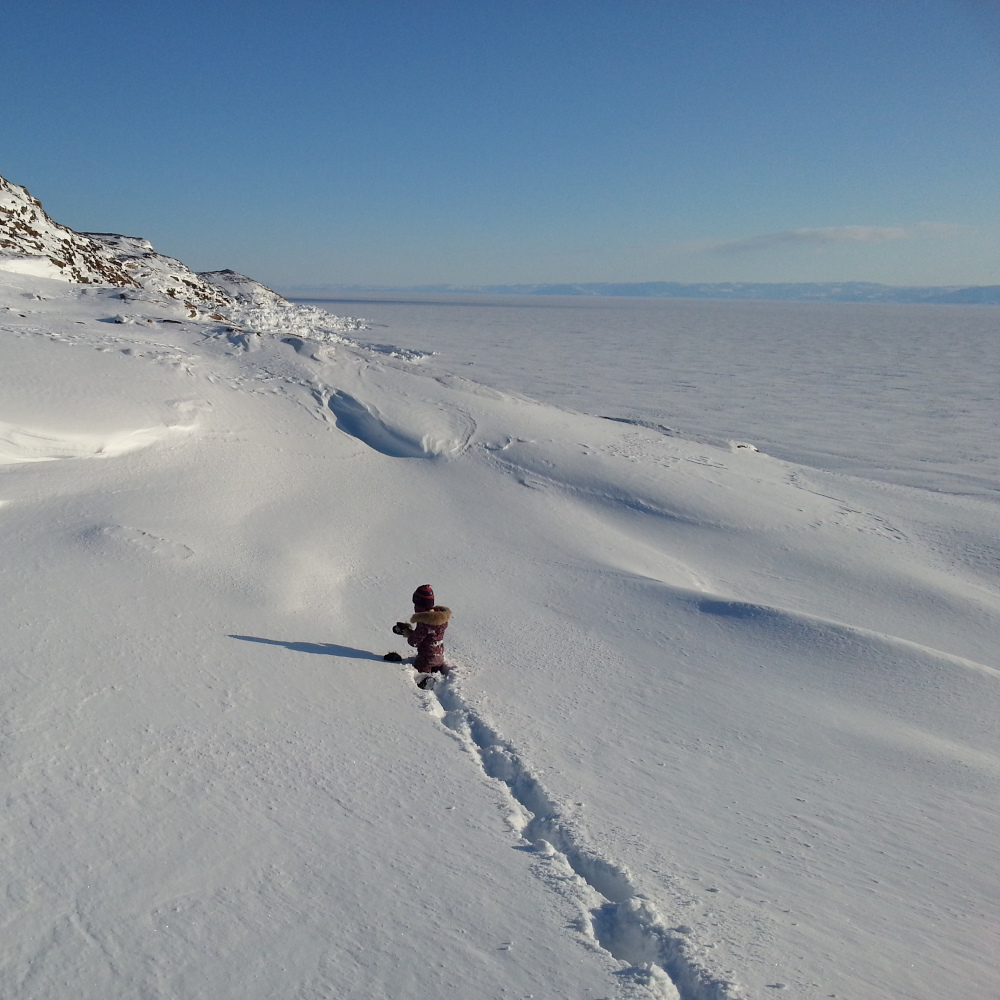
{"points": [[25, 444], [617, 916]]}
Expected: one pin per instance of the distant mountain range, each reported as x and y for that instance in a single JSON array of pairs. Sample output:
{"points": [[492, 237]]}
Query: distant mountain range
{"points": [[847, 291]]}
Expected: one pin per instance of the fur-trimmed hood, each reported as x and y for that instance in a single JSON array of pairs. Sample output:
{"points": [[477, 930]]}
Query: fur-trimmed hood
{"points": [[438, 615]]}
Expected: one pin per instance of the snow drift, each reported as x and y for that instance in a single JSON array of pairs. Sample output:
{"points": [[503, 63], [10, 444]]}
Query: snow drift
{"points": [[720, 725]]}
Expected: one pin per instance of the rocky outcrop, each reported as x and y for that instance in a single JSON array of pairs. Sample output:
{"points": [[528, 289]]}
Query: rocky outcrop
{"points": [[158, 273], [242, 289], [33, 243]]}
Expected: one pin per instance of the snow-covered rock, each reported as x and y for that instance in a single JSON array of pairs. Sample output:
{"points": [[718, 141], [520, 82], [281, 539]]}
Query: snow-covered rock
{"points": [[32, 243], [244, 290], [160, 274]]}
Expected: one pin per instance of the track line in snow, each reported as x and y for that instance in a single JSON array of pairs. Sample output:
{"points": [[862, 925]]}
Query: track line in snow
{"points": [[144, 540], [617, 917]]}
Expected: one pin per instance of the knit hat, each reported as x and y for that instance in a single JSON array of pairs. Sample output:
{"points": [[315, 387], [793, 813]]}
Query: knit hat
{"points": [[423, 598]]}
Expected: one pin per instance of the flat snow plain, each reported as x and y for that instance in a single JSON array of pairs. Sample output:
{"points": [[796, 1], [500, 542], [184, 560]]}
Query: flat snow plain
{"points": [[723, 723]]}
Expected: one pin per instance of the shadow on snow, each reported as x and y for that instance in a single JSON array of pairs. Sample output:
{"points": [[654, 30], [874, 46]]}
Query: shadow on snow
{"points": [[322, 648]]}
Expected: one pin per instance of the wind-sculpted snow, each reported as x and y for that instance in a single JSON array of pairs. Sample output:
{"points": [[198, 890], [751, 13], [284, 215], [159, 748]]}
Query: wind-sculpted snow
{"points": [[738, 713], [777, 619], [24, 444], [445, 433], [366, 424]]}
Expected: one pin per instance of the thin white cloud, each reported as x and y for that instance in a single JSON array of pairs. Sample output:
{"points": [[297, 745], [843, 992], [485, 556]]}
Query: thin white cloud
{"points": [[824, 237]]}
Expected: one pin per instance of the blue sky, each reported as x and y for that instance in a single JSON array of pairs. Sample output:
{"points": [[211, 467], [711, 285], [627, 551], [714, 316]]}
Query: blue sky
{"points": [[403, 142]]}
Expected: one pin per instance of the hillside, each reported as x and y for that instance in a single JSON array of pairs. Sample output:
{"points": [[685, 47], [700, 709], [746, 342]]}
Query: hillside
{"points": [[720, 726]]}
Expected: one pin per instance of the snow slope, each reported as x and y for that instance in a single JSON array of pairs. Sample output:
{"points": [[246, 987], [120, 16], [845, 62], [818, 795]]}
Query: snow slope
{"points": [[901, 393], [721, 725]]}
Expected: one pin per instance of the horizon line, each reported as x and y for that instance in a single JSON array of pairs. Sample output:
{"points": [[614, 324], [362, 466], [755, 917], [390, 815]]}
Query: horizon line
{"points": [[820, 291]]}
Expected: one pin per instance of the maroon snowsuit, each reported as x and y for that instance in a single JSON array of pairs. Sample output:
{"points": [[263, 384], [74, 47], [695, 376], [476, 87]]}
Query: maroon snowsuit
{"points": [[428, 637]]}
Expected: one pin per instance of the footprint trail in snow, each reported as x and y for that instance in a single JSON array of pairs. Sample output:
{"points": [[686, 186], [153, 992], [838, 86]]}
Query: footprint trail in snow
{"points": [[615, 916]]}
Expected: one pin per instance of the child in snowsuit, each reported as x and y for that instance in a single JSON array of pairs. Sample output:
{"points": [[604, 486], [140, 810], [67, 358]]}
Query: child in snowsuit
{"points": [[430, 620]]}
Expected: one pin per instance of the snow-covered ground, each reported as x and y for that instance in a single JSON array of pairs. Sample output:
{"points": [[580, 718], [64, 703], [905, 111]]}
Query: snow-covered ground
{"points": [[722, 724], [905, 394]]}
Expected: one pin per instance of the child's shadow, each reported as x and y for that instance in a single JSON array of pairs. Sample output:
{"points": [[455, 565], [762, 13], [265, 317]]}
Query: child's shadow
{"points": [[323, 648]]}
